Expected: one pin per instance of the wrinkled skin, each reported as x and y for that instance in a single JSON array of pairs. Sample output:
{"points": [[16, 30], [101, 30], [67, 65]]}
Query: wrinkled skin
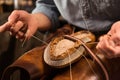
{"points": [[109, 44]]}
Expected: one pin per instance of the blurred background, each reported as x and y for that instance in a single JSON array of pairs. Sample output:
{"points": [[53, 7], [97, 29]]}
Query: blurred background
{"points": [[10, 5], [10, 48]]}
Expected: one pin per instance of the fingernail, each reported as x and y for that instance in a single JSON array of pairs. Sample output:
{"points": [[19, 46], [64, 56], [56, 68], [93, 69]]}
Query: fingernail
{"points": [[10, 33], [16, 37]]}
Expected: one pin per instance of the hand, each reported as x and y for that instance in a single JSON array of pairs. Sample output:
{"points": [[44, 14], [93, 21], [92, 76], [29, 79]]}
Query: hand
{"points": [[109, 44], [23, 24]]}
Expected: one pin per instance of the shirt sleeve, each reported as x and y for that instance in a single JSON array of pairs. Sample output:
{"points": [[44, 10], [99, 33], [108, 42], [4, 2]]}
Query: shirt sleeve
{"points": [[48, 8]]}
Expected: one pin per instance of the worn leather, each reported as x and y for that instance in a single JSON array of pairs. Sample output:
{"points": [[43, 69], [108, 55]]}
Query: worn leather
{"points": [[81, 70], [31, 66]]}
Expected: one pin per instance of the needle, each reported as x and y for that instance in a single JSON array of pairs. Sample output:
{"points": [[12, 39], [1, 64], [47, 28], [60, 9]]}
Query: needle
{"points": [[24, 41], [39, 39], [34, 38]]}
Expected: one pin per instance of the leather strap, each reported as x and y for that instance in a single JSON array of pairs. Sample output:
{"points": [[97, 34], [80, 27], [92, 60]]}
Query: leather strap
{"points": [[92, 55]]}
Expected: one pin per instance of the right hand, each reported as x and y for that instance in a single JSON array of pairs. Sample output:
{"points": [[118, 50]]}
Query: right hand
{"points": [[19, 20]]}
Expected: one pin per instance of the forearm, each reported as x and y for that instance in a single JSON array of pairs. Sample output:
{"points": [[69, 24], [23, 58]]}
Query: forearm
{"points": [[44, 23], [49, 9]]}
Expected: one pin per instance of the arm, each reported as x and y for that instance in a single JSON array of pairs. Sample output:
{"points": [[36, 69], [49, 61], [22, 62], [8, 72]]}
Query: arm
{"points": [[39, 19], [48, 8]]}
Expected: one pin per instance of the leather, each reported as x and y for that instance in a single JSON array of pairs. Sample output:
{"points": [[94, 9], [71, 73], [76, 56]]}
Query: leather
{"points": [[31, 66], [32, 63]]}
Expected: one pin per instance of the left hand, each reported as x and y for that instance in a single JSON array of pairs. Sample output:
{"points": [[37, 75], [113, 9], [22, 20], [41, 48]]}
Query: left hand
{"points": [[109, 44]]}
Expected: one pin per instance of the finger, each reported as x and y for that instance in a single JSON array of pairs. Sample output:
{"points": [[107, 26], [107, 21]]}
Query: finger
{"points": [[18, 15], [112, 31], [24, 28], [99, 48], [116, 38], [30, 32], [14, 16], [20, 35], [16, 27], [105, 45], [117, 51], [108, 46], [5, 27], [102, 51], [105, 52]]}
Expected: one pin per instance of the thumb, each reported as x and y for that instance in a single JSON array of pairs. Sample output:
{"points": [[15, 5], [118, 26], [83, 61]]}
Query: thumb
{"points": [[14, 16], [18, 15]]}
